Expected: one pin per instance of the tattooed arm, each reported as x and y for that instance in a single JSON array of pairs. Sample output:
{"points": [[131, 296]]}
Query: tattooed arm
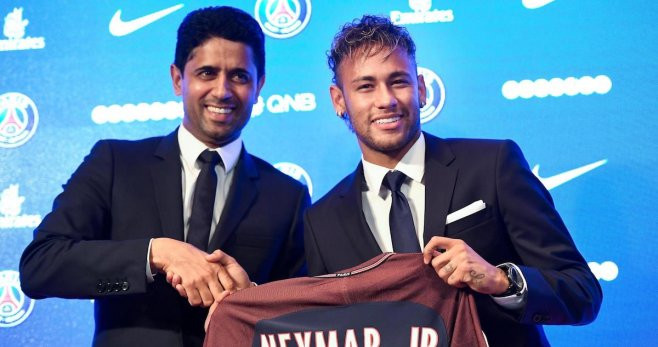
{"points": [[461, 266]]}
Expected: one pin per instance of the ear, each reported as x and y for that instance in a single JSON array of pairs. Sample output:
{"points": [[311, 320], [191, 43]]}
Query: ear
{"points": [[422, 92], [337, 99], [261, 82], [176, 79]]}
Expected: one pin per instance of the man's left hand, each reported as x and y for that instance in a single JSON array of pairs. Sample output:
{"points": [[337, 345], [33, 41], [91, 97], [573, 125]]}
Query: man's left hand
{"points": [[460, 266]]}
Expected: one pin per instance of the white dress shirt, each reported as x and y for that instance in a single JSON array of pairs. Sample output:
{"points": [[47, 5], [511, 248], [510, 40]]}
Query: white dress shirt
{"points": [[190, 149], [377, 198]]}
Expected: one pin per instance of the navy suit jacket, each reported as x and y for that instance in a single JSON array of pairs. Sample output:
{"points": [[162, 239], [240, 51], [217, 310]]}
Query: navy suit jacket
{"points": [[519, 225], [94, 243]]}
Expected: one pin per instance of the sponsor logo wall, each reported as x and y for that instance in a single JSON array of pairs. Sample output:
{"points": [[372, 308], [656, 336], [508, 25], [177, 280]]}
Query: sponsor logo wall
{"points": [[576, 95]]}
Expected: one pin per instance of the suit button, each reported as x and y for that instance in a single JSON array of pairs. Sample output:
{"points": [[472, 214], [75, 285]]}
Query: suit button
{"points": [[117, 286], [125, 285], [100, 287], [538, 318]]}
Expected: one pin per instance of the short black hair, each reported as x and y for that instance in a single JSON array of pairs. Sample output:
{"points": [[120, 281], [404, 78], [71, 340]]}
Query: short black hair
{"points": [[369, 35], [219, 21]]}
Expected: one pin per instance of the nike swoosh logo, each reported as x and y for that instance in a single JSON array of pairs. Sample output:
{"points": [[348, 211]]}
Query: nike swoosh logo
{"points": [[562, 178], [119, 27], [535, 4]]}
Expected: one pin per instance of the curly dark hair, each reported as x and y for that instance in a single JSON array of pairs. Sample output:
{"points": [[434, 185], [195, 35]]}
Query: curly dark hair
{"points": [[369, 35], [219, 21]]}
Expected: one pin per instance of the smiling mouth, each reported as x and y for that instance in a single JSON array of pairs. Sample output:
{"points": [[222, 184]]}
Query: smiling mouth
{"points": [[219, 109], [387, 120]]}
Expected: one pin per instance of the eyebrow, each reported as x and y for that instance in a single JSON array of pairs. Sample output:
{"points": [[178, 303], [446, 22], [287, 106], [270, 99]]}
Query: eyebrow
{"points": [[395, 74], [400, 74], [216, 69], [363, 79], [206, 68]]}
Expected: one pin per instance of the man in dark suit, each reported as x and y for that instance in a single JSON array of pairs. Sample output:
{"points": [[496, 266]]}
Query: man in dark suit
{"points": [[118, 231], [482, 219]]}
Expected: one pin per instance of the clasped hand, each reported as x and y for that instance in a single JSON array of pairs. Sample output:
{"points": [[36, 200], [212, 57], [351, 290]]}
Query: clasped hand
{"points": [[200, 277]]}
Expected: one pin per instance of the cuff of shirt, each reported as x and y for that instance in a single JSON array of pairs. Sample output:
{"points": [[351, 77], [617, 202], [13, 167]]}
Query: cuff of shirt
{"points": [[514, 301], [149, 274]]}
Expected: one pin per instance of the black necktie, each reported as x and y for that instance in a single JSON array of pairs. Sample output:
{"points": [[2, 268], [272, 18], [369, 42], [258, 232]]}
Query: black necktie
{"points": [[403, 232], [203, 204]]}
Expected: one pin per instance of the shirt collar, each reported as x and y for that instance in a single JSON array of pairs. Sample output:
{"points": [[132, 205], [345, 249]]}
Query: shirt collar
{"points": [[412, 164], [191, 147]]}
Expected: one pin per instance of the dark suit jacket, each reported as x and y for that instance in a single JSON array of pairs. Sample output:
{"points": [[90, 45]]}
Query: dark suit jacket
{"points": [[94, 243], [519, 225]]}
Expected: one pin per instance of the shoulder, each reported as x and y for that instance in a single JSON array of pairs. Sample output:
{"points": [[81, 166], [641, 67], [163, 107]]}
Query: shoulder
{"points": [[332, 198], [115, 145], [125, 150], [475, 146], [472, 150], [273, 177]]}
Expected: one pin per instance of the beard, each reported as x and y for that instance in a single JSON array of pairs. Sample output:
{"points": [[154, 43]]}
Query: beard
{"points": [[382, 143]]}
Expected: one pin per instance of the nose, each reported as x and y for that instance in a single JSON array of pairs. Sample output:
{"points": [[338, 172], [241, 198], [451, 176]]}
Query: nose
{"points": [[221, 89], [385, 98]]}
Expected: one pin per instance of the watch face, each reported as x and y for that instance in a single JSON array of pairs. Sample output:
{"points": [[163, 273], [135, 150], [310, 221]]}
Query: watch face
{"points": [[514, 278]]}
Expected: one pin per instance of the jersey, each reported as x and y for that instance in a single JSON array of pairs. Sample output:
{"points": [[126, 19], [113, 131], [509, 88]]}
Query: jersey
{"points": [[390, 300]]}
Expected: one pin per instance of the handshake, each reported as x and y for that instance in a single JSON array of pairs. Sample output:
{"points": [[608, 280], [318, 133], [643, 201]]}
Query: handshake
{"points": [[202, 278]]}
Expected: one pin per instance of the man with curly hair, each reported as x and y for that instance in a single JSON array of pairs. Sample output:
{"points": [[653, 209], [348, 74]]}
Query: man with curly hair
{"points": [[483, 221]]}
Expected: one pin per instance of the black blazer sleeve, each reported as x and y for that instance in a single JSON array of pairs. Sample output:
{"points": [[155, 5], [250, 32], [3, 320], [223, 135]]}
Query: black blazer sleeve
{"points": [[72, 255], [561, 287]]}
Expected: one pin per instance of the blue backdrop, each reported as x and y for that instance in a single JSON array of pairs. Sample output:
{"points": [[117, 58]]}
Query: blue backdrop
{"points": [[573, 82]]}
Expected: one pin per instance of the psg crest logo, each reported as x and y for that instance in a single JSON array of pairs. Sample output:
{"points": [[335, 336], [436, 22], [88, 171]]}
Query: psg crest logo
{"points": [[282, 18], [18, 119], [436, 94], [15, 306]]}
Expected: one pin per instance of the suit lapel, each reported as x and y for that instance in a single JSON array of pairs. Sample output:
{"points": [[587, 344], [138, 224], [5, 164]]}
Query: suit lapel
{"points": [[167, 185], [439, 180], [352, 219], [241, 195]]}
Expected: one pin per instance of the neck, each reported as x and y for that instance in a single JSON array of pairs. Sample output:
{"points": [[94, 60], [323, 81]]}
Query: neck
{"points": [[388, 159], [210, 142]]}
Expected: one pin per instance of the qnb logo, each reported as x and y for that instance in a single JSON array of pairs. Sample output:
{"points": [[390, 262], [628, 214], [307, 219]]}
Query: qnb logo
{"points": [[282, 103], [282, 19], [556, 87], [19, 118], [15, 306], [14, 30], [297, 172], [10, 210], [421, 14], [436, 95], [141, 112], [607, 270]]}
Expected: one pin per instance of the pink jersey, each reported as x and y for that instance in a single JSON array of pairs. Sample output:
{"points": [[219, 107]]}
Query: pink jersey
{"points": [[390, 300]]}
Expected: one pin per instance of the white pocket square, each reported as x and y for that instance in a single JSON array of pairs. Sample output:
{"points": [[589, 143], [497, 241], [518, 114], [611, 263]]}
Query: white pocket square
{"points": [[466, 211]]}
